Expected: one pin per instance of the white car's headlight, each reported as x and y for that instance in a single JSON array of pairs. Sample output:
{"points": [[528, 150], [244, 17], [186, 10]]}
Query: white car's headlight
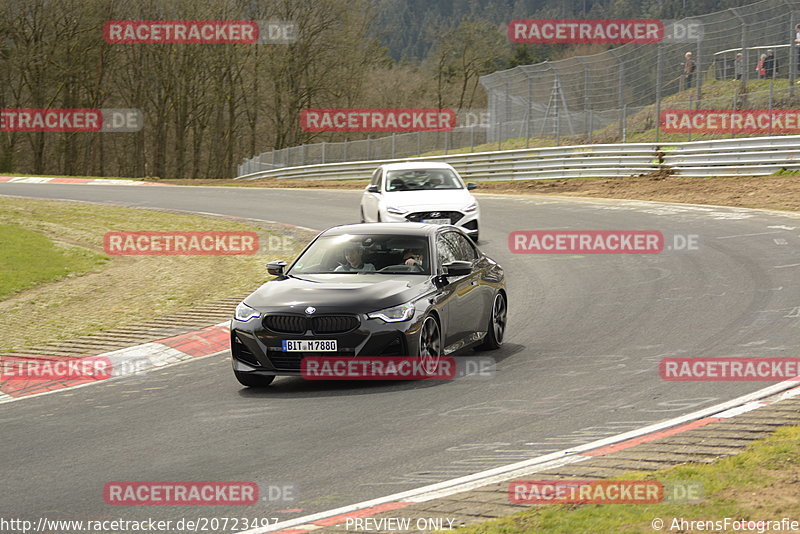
{"points": [[395, 314], [245, 313], [472, 207], [396, 211]]}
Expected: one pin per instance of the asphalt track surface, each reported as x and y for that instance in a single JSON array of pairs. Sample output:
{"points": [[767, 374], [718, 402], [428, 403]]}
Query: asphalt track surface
{"points": [[580, 363]]}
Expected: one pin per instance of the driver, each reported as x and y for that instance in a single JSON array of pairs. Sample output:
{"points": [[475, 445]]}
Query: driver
{"points": [[354, 256], [414, 256]]}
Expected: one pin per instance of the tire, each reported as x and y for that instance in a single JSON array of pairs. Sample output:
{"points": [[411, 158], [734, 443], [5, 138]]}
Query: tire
{"points": [[253, 381], [496, 329], [430, 344]]}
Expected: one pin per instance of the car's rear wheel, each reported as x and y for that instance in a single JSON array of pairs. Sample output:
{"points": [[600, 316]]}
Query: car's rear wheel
{"points": [[253, 381], [430, 344], [497, 324]]}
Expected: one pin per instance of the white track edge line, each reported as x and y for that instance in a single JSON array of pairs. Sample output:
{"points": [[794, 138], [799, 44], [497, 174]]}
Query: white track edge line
{"points": [[456, 485]]}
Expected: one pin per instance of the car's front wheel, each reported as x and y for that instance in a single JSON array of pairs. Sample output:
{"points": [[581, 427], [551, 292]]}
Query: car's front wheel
{"points": [[430, 344], [497, 324], [253, 381]]}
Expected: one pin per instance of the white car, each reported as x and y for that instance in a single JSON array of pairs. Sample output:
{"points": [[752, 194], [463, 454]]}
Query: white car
{"points": [[421, 192]]}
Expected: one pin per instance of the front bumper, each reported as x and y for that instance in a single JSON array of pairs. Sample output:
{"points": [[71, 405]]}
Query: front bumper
{"points": [[258, 350], [466, 221]]}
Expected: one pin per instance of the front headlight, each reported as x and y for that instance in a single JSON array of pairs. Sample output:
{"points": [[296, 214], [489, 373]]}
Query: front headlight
{"points": [[395, 314], [471, 207], [245, 313], [396, 211]]}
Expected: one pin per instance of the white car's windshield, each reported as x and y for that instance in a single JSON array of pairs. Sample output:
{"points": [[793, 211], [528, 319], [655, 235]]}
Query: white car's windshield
{"points": [[365, 254], [422, 180]]}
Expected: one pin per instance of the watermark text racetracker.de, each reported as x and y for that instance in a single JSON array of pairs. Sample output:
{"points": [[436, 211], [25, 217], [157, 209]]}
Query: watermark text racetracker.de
{"points": [[199, 32], [599, 242], [735, 369], [70, 120], [180, 243], [604, 492], [95, 526]]}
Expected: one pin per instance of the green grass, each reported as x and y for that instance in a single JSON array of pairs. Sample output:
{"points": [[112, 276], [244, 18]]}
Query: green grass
{"points": [[757, 484], [29, 259], [119, 291]]}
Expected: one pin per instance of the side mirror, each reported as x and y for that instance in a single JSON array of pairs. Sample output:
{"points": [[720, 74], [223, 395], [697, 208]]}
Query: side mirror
{"points": [[457, 268], [372, 189], [276, 268], [471, 186]]}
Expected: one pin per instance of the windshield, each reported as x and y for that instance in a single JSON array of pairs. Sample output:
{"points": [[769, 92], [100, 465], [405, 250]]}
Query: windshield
{"points": [[422, 180], [365, 254]]}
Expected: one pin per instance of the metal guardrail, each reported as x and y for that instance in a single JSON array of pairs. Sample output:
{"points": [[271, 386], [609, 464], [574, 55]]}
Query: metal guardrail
{"points": [[754, 156]]}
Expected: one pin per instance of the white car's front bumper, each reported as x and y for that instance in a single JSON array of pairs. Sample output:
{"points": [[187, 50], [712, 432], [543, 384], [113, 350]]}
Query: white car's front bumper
{"points": [[467, 221]]}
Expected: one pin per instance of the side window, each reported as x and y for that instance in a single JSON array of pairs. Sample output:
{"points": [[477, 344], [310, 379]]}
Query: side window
{"points": [[464, 249], [445, 250], [460, 247], [380, 180]]}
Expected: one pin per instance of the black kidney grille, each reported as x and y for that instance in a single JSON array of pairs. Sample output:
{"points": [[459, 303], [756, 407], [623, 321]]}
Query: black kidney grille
{"points": [[286, 324], [333, 324]]}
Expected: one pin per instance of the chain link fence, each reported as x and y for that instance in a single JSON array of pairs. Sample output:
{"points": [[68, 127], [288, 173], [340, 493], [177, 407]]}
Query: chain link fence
{"points": [[614, 96]]}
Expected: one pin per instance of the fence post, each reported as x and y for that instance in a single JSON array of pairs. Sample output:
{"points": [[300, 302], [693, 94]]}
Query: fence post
{"points": [[323, 152], [558, 109], [587, 107], [792, 54], [446, 142], [621, 69], [369, 146], [659, 82], [529, 112], [472, 139], [394, 144], [698, 77], [419, 144]]}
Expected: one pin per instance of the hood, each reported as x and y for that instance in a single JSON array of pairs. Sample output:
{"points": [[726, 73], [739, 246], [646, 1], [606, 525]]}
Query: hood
{"points": [[443, 199], [338, 293]]}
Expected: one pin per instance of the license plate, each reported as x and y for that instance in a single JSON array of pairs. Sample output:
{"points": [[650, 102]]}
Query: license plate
{"points": [[436, 221], [309, 345]]}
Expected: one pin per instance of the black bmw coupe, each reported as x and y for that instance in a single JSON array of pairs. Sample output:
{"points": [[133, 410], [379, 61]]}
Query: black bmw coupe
{"points": [[371, 290]]}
